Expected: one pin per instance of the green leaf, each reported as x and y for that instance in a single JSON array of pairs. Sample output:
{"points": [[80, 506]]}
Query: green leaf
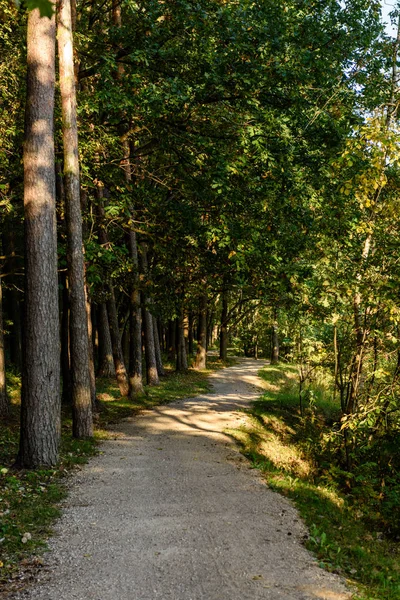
{"points": [[45, 7]]}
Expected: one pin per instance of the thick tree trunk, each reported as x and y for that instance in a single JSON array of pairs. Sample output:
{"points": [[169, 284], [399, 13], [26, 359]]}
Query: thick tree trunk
{"points": [[106, 362], [119, 364], [223, 335], [79, 341], [160, 366], [4, 403], [40, 407], [201, 355], [181, 356]]}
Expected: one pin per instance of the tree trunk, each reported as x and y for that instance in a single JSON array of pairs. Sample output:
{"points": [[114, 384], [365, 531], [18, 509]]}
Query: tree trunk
{"points": [[106, 362], [4, 403], [79, 341], [181, 356], [150, 351], [160, 367], [210, 326], [171, 341], [135, 345], [201, 355], [95, 334], [92, 370], [223, 336], [274, 342], [65, 362], [40, 406], [120, 369], [190, 334]]}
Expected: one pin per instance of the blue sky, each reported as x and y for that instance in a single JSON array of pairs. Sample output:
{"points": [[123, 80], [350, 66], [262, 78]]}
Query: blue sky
{"points": [[387, 6]]}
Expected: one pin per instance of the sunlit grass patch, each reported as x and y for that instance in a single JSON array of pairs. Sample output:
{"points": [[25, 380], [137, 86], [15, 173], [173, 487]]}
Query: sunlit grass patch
{"points": [[284, 445]]}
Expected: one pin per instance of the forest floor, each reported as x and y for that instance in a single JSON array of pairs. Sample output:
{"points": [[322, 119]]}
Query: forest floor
{"points": [[171, 510]]}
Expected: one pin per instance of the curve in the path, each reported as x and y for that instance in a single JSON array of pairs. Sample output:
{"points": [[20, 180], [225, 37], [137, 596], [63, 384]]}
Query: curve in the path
{"points": [[170, 511]]}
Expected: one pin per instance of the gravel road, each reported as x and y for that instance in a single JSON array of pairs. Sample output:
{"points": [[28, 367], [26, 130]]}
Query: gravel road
{"points": [[170, 510]]}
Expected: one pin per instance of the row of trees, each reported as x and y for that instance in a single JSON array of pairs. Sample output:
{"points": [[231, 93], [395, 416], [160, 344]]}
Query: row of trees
{"points": [[237, 170]]}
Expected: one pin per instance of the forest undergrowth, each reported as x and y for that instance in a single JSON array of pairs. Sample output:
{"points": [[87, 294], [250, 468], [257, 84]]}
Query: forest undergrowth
{"points": [[30, 499], [351, 516]]}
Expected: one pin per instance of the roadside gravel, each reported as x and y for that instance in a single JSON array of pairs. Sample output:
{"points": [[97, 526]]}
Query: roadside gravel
{"points": [[171, 510]]}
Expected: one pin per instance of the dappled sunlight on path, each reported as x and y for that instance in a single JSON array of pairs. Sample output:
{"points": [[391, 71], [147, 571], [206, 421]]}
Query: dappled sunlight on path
{"points": [[171, 510]]}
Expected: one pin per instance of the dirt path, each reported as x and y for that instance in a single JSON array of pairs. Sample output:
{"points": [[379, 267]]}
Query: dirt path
{"points": [[172, 511]]}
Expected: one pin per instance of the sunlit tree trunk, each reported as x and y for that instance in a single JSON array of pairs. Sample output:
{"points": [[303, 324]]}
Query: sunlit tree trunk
{"points": [[79, 340], [40, 408]]}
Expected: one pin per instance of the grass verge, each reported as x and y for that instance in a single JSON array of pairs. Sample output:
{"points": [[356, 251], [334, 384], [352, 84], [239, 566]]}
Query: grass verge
{"points": [[284, 445], [29, 500]]}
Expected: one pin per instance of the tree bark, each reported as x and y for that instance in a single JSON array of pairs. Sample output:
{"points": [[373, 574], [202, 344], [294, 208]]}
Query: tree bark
{"points": [[106, 362], [201, 355], [119, 364], [79, 341], [4, 403], [135, 348], [92, 370], [223, 336], [150, 351], [171, 341], [181, 356], [40, 406], [65, 361], [274, 341], [190, 334], [135, 345], [160, 366]]}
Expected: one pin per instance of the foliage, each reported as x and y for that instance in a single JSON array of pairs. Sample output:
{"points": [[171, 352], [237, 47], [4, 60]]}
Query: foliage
{"points": [[301, 459]]}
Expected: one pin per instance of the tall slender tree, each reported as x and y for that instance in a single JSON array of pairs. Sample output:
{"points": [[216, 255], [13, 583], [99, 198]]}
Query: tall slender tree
{"points": [[4, 405], [79, 340]]}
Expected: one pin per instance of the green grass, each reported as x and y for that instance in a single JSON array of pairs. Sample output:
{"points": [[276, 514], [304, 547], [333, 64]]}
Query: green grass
{"points": [[29, 500], [292, 453]]}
